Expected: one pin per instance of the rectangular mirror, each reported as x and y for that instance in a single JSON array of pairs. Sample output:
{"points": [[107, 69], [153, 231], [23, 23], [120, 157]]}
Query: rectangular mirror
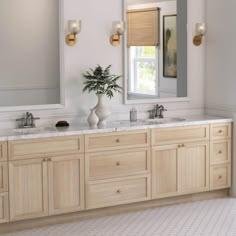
{"points": [[155, 49], [31, 52]]}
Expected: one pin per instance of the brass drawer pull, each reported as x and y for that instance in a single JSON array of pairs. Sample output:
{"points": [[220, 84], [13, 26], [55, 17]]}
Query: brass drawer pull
{"points": [[220, 131], [117, 163], [118, 191], [118, 140]]}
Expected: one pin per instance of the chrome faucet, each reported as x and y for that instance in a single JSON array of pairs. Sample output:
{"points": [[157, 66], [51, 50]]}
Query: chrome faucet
{"points": [[158, 111], [27, 121]]}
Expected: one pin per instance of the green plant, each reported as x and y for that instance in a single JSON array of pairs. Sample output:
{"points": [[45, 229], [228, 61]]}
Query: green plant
{"points": [[101, 81]]}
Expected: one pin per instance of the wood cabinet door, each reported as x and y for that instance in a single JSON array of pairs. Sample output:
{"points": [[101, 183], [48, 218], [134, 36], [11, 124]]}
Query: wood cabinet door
{"points": [[4, 210], [3, 177], [28, 189], [165, 173], [66, 184], [194, 167]]}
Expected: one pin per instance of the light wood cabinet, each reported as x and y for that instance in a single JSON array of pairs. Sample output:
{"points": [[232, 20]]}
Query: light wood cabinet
{"points": [[220, 176], [194, 167], [28, 149], [69, 174], [164, 136], [118, 191], [3, 177], [121, 163], [28, 189], [220, 131], [3, 151], [4, 208], [220, 151], [180, 169], [165, 171], [117, 141], [220, 168], [66, 184]]}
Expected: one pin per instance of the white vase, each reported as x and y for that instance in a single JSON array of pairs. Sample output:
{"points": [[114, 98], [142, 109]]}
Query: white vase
{"points": [[93, 119], [102, 111]]}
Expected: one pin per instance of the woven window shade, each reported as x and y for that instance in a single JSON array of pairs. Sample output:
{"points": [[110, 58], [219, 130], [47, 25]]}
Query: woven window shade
{"points": [[143, 27]]}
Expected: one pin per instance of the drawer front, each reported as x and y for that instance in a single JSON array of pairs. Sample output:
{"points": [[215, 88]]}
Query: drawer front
{"points": [[119, 140], [220, 176], [119, 191], [3, 151], [110, 164], [3, 177], [4, 208], [26, 149], [220, 151], [220, 131], [180, 134]]}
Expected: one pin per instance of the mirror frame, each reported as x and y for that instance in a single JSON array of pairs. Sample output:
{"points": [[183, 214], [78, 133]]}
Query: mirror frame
{"points": [[125, 70], [62, 83]]}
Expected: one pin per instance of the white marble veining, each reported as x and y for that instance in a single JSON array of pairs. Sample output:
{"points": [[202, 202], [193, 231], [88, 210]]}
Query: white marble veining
{"points": [[44, 132]]}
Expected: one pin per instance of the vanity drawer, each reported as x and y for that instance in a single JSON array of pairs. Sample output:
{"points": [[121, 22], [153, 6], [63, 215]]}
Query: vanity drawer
{"points": [[220, 131], [102, 165], [4, 208], [220, 176], [26, 149], [220, 151], [3, 151], [119, 140], [3, 177], [118, 191], [180, 134]]}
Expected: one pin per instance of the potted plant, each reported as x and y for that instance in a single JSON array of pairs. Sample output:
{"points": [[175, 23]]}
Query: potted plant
{"points": [[103, 83]]}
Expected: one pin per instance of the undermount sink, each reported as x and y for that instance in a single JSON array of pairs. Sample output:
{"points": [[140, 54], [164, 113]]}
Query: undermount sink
{"points": [[33, 130], [166, 120]]}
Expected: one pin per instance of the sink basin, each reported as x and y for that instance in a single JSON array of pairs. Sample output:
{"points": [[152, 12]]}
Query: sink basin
{"points": [[166, 120], [33, 130]]}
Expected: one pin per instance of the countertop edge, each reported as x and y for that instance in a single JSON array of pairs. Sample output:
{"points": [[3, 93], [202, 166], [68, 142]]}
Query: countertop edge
{"points": [[118, 128]]}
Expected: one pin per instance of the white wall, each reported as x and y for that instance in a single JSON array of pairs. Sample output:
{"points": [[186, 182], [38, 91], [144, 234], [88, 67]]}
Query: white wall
{"points": [[94, 48], [221, 64]]}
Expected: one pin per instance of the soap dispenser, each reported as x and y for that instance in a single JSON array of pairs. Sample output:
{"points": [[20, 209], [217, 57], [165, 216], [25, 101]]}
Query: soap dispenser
{"points": [[133, 115]]}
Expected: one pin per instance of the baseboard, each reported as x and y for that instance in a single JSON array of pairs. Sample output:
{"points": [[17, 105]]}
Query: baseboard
{"points": [[84, 215]]}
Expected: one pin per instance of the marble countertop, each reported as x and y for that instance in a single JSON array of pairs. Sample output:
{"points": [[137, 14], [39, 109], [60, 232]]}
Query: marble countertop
{"points": [[115, 126]]}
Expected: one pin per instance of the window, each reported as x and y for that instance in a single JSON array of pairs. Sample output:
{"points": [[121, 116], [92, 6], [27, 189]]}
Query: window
{"points": [[143, 70]]}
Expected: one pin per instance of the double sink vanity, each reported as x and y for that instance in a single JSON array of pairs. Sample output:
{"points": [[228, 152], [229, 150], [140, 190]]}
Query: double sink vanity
{"points": [[48, 172]]}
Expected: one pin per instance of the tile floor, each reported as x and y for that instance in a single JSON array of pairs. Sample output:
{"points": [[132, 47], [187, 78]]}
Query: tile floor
{"points": [[206, 218]]}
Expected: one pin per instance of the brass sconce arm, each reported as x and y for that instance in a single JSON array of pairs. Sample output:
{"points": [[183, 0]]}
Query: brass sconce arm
{"points": [[200, 32], [118, 28], [74, 28]]}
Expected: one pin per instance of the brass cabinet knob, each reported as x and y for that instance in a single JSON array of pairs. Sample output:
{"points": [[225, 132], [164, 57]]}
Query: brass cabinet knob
{"points": [[118, 191], [220, 131], [182, 145], [220, 177], [220, 152], [179, 146], [118, 140], [117, 163]]}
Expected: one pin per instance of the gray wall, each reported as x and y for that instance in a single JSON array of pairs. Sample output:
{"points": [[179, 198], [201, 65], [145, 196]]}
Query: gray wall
{"points": [[182, 48]]}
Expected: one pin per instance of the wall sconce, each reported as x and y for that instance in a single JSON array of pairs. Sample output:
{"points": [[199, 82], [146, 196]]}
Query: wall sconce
{"points": [[118, 28], [200, 31], [74, 27]]}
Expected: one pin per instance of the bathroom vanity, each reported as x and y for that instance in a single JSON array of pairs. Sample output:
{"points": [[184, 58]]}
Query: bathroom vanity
{"points": [[88, 172]]}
